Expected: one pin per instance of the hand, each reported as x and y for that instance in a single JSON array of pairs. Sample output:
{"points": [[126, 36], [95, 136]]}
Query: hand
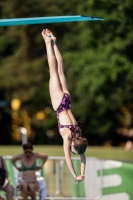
{"points": [[19, 169], [39, 167], [79, 178]]}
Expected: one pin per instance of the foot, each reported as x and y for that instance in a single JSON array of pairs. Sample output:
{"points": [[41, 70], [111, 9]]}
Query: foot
{"points": [[50, 34], [46, 37]]}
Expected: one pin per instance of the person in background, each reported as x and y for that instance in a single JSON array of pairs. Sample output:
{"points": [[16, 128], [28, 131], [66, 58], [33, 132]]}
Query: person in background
{"points": [[128, 145], [28, 183], [4, 181], [61, 102]]}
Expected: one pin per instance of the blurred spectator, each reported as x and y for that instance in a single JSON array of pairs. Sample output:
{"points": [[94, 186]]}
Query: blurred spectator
{"points": [[129, 145], [4, 181], [28, 183]]}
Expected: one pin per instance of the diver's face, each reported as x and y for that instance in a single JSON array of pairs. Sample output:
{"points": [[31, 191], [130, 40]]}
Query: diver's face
{"points": [[72, 149]]}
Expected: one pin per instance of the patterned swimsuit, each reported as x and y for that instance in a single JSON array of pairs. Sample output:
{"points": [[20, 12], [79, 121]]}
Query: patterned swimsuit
{"points": [[65, 105]]}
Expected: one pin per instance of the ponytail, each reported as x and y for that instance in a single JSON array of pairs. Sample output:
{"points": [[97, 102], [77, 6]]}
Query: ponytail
{"points": [[77, 134]]}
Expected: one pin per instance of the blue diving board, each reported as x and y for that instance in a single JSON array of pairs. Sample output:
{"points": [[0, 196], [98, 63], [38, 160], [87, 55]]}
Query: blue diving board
{"points": [[46, 20]]}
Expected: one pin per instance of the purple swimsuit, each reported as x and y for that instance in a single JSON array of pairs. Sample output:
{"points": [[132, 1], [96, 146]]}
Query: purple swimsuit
{"points": [[65, 105]]}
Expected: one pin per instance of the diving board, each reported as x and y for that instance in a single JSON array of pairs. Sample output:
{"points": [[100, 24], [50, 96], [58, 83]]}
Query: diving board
{"points": [[47, 20]]}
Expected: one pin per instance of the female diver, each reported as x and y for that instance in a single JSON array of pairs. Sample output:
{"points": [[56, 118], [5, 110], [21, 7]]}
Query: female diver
{"points": [[61, 102]]}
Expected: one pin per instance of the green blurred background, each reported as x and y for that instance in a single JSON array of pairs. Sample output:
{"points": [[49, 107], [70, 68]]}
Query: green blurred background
{"points": [[98, 65], [114, 153]]}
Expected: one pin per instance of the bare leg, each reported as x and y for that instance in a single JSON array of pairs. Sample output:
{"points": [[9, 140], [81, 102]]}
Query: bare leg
{"points": [[56, 92], [60, 70], [1, 198], [9, 192], [24, 188], [33, 188], [59, 63]]}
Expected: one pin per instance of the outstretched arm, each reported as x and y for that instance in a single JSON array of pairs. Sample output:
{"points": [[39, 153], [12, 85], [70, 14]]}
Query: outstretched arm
{"points": [[82, 168], [83, 164], [66, 146], [70, 164]]}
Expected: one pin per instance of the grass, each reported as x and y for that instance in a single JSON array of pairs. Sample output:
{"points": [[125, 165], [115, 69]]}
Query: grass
{"points": [[116, 153]]}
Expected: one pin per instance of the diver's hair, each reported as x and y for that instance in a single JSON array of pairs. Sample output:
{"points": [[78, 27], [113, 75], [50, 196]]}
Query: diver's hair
{"points": [[80, 144], [27, 145], [78, 132]]}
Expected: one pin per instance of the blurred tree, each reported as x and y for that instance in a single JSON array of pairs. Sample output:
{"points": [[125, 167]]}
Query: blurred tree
{"points": [[97, 58]]}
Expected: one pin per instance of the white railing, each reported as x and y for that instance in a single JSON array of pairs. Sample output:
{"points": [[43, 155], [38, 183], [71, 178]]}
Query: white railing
{"points": [[61, 185]]}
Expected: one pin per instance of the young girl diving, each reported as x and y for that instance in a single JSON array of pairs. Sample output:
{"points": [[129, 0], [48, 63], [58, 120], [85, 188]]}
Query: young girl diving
{"points": [[61, 102]]}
